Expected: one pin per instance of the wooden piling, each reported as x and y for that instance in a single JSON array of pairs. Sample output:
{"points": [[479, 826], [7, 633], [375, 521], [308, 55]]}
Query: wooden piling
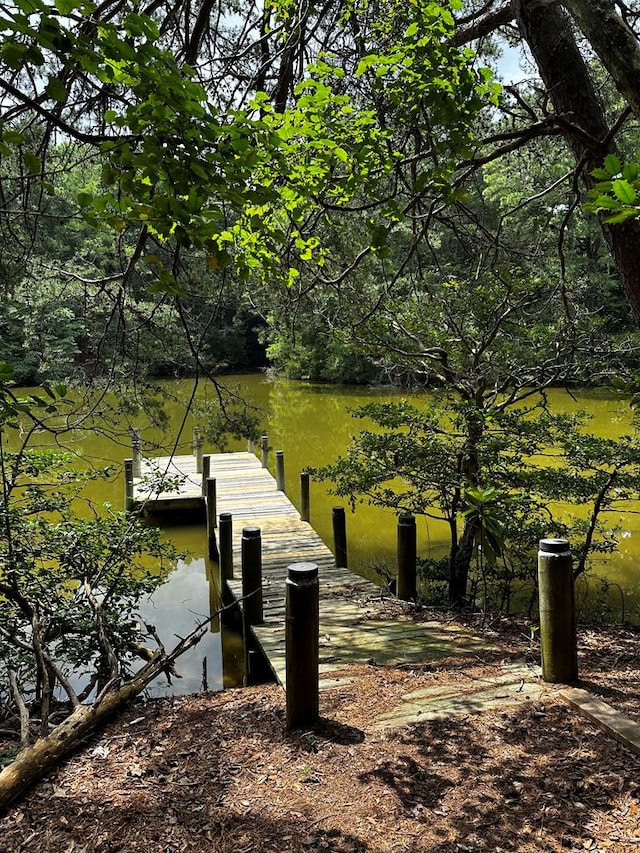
{"points": [[206, 471], [264, 446], [304, 496], [128, 485], [136, 446], [252, 576], [340, 537], [198, 444], [251, 446], [406, 588], [302, 645], [225, 531], [558, 641], [211, 503], [280, 485]]}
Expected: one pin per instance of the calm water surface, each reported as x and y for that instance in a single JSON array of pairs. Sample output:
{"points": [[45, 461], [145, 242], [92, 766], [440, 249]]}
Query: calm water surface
{"points": [[312, 424]]}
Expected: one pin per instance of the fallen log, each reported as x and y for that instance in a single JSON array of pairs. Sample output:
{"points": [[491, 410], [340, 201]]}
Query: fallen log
{"points": [[34, 762]]}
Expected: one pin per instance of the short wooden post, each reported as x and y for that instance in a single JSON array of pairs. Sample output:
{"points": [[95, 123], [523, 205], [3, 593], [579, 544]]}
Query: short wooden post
{"points": [[251, 446], [206, 473], [302, 645], [340, 537], [198, 444], [304, 496], [264, 445], [252, 576], [211, 502], [225, 530], [128, 484], [280, 470], [136, 446], [558, 642], [406, 588]]}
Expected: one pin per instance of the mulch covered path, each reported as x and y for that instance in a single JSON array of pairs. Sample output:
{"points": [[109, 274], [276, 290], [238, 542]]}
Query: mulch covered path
{"points": [[218, 773]]}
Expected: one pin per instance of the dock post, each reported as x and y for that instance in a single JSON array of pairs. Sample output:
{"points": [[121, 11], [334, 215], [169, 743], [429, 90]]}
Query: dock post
{"points": [[211, 501], [302, 645], [406, 589], [558, 643], [252, 575], [280, 470], [128, 484], [304, 496], [136, 445], [206, 471], [264, 444], [197, 449], [251, 446], [225, 531], [340, 537]]}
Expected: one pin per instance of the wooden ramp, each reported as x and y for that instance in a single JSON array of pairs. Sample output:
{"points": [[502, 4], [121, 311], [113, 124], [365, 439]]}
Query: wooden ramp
{"points": [[347, 633]]}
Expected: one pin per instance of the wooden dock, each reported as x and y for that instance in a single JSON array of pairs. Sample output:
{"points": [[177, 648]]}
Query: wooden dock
{"points": [[349, 631]]}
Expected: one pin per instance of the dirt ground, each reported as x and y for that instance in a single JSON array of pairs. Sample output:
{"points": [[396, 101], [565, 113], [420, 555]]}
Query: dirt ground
{"points": [[217, 772]]}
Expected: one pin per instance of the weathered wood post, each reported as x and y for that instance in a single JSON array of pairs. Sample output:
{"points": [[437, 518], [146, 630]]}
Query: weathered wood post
{"points": [[406, 588], [251, 446], [128, 485], [198, 444], [340, 536], [252, 576], [264, 445], [558, 641], [136, 446], [225, 530], [304, 496], [206, 473], [280, 470], [211, 505], [302, 645], [251, 593]]}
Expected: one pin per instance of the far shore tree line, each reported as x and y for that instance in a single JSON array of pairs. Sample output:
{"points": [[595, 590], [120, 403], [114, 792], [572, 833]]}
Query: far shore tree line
{"points": [[347, 193]]}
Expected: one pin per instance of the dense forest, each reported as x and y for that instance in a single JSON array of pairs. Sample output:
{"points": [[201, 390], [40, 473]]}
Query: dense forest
{"points": [[344, 191]]}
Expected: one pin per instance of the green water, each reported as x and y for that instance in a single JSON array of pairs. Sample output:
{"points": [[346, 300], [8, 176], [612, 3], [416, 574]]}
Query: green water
{"points": [[312, 425]]}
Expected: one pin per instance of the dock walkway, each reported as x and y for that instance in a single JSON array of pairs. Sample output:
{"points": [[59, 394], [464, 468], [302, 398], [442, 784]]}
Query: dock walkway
{"points": [[348, 633], [351, 632]]}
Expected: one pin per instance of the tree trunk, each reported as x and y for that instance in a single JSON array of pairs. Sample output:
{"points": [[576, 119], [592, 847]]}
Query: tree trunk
{"points": [[547, 29], [614, 42], [35, 761]]}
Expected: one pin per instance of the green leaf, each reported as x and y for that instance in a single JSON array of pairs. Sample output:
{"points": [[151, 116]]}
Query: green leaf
{"points": [[56, 90], [631, 171], [32, 163], [612, 164], [624, 191]]}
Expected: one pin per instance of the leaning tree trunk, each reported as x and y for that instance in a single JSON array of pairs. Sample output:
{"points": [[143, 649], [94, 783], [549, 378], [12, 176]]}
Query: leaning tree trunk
{"points": [[547, 29], [35, 761]]}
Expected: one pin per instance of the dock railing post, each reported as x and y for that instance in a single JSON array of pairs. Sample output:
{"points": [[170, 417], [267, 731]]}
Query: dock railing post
{"points": [[251, 446], [206, 473], [406, 588], [302, 645], [136, 446], [558, 641], [304, 496], [252, 575], [252, 613], [225, 531], [128, 484], [264, 445], [340, 537], [280, 470], [211, 501], [197, 449]]}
